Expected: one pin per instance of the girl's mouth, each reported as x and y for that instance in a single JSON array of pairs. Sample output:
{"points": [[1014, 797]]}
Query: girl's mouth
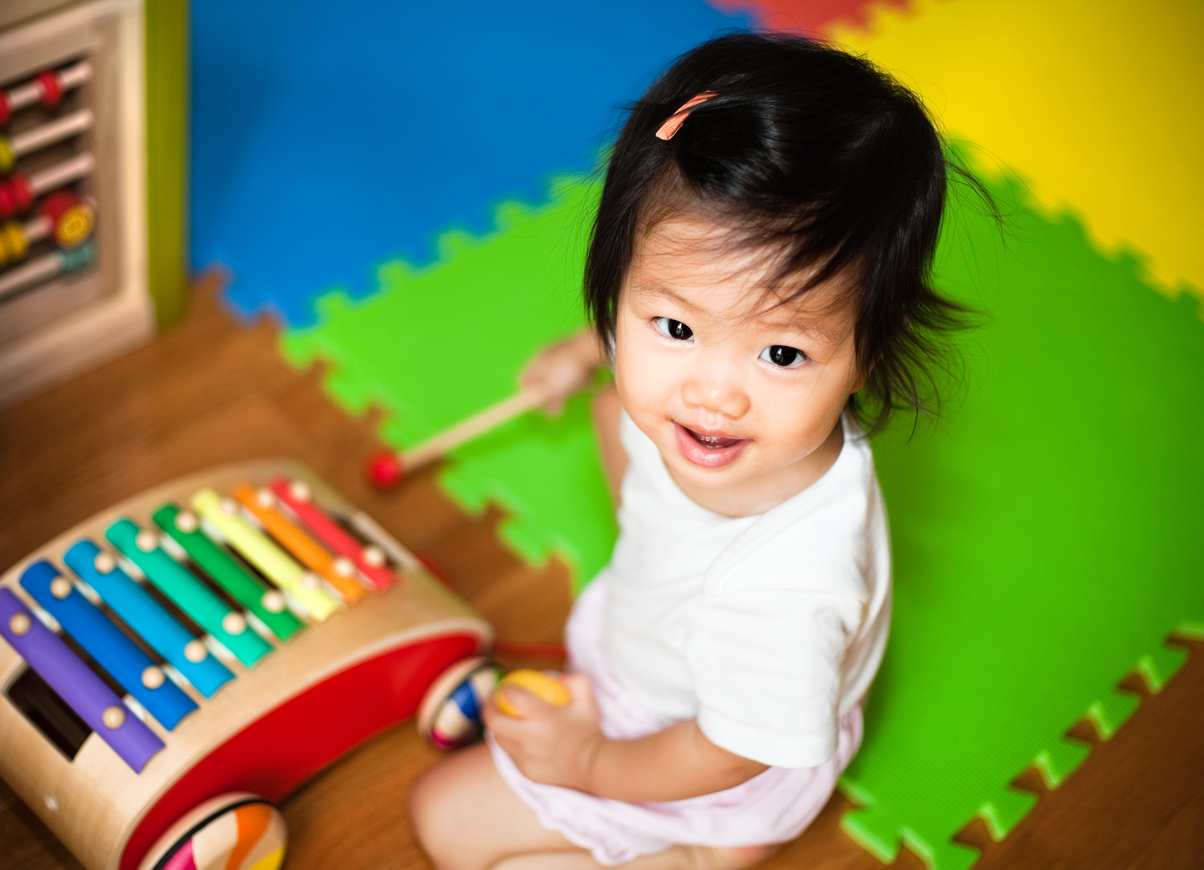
{"points": [[709, 451]]}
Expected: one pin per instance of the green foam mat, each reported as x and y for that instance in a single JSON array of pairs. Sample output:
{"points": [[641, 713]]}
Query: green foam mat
{"points": [[1046, 532]]}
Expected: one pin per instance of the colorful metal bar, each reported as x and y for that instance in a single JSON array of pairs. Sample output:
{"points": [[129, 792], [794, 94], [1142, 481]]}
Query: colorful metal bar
{"points": [[268, 605], [263, 553], [141, 612], [228, 627], [74, 682], [339, 573], [106, 643], [370, 559]]}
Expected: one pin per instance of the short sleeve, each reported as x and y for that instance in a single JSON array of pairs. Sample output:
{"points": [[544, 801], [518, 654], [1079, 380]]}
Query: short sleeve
{"points": [[766, 666]]}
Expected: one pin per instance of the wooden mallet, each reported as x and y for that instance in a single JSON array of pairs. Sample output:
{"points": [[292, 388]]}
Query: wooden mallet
{"points": [[386, 469]]}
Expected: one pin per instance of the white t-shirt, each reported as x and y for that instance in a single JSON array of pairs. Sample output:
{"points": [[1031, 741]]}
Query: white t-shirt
{"points": [[768, 628]]}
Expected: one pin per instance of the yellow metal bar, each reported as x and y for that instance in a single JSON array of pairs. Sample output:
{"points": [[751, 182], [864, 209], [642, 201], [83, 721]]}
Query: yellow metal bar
{"points": [[272, 562]]}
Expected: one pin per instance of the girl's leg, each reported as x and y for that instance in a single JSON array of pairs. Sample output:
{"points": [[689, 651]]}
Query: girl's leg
{"points": [[466, 817], [675, 858]]}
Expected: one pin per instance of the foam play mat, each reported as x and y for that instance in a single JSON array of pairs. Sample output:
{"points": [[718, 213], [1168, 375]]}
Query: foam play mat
{"points": [[1045, 530]]}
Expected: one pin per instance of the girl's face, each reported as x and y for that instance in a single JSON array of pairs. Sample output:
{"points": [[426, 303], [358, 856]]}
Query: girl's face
{"points": [[742, 398]]}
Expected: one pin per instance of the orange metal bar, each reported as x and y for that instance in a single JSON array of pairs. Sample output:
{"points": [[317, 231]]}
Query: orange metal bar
{"points": [[297, 541]]}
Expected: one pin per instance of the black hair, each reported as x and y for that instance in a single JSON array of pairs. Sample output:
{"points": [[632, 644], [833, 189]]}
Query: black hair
{"points": [[815, 154]]}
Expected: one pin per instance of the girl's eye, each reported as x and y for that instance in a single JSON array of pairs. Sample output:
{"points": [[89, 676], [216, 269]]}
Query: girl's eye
{"points": [[671, 328], [784, 357]]}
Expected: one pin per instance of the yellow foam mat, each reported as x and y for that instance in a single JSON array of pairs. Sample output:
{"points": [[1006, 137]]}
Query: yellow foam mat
{"points": [[1098, 103]]}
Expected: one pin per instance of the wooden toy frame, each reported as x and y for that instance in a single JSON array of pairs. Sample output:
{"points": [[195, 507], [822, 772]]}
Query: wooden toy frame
{"points": [[268, 730], [78, 320]]}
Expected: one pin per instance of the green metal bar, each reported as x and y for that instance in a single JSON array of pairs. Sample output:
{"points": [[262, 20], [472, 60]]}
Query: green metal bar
{"points": [[230, 575]]}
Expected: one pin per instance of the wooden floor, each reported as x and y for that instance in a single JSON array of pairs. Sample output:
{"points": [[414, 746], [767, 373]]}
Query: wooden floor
{"points": [[209, 391]]}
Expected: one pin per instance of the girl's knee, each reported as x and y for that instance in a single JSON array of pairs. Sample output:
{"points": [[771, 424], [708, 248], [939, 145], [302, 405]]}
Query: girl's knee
{"points": [[424, 794], [434, 817]]}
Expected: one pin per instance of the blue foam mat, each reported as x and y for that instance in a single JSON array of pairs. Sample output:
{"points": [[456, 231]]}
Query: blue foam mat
{"points": [[329, 137]]}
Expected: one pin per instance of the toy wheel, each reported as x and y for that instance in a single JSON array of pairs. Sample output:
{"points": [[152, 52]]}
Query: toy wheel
{"points": [[450, 713], [238, 831]]}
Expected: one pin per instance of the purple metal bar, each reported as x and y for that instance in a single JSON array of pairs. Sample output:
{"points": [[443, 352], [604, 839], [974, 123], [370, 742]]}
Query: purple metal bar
{"points": [[82, 690]]}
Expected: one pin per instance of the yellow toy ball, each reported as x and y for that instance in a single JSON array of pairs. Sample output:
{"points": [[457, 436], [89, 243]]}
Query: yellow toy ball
{"points": [[547, 688]]}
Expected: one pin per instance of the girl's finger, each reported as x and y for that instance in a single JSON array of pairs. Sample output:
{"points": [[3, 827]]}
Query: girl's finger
{"points": [[579, 686], [516, 698]]}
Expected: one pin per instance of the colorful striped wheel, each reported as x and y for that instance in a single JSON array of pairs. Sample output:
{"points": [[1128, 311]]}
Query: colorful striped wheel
{"points": [[237, 831], [450, 714]]}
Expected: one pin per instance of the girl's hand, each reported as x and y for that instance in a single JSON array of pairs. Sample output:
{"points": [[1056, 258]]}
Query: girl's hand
{"points": [[562, 369], [549, 744]]}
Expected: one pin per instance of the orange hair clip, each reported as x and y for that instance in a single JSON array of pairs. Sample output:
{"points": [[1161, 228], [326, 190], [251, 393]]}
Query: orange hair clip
{"points": [[673, 123]]}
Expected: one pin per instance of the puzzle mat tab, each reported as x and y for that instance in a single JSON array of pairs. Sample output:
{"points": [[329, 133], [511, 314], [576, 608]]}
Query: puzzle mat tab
{"points": [[1099, 104], [330, 137], [1041, 533]]}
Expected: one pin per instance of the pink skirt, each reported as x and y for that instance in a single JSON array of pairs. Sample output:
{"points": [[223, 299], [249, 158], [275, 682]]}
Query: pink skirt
{"points": [[772, 807]]}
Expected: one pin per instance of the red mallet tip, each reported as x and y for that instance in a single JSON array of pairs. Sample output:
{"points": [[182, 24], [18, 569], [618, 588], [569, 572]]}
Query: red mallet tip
{"points": [[384, 469]]}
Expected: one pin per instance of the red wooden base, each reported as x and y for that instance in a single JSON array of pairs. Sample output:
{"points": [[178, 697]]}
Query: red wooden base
{"points": [[274, 755]]}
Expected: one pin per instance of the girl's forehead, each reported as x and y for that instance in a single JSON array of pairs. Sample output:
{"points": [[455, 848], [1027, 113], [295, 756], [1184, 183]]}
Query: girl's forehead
{"points": [[700, 266]]}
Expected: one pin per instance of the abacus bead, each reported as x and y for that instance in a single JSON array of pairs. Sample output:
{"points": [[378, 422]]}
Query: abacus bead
{"points": [[74, 226], [52, 91]]}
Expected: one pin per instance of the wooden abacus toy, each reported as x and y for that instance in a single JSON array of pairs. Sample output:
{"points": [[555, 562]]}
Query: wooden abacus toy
{"points": [[179, 662]]}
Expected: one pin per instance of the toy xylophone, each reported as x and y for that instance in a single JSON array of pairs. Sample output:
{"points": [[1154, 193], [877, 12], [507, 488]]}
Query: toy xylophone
{"points": [[180, 661]]}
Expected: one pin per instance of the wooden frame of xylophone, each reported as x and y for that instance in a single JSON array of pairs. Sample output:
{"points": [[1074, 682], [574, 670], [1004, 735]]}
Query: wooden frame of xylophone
{"points": [[270, 726]]}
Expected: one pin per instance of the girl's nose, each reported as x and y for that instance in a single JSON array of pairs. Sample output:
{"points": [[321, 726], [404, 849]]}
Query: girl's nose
{"points": [[716, 389]]}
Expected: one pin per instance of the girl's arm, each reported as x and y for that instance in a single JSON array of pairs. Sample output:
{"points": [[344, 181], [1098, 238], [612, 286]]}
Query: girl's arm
{"points": [[563, 368], [564, 746]]}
